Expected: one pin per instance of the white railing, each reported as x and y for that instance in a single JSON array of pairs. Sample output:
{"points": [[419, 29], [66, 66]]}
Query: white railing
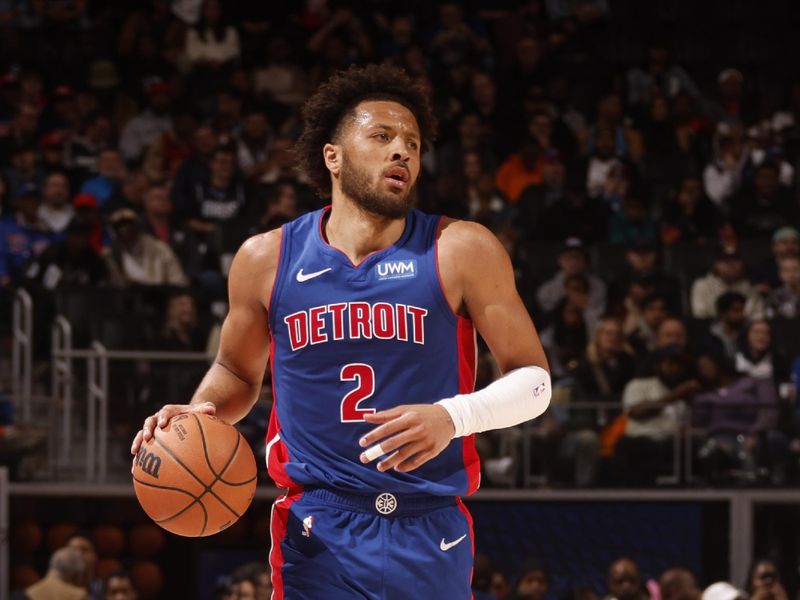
{"points": [[22, 354]]}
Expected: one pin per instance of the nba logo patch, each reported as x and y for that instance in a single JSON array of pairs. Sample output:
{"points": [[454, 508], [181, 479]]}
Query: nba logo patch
{"points": [[396, 269], [308, 523]]}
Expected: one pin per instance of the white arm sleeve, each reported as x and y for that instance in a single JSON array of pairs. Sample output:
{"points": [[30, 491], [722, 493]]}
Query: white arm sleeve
{"points": [[518, 396]]}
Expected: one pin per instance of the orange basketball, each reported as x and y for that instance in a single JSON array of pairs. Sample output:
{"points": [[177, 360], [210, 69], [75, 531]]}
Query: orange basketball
{"points": [[196, 477]]}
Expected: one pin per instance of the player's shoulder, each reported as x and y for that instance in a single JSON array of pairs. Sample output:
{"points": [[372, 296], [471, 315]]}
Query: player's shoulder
{"points": [[468, 240], [258, 256]]}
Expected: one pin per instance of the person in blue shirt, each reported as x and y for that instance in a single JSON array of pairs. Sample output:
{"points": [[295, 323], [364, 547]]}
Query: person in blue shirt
{"points": [[22, 236]]}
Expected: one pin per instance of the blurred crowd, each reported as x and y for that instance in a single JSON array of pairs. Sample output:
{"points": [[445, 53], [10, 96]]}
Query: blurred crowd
{"points": [[650, 208], [625, 581]]}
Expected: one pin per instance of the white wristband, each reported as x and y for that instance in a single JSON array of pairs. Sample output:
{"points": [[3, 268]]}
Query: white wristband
{"points": [[518, 396]]}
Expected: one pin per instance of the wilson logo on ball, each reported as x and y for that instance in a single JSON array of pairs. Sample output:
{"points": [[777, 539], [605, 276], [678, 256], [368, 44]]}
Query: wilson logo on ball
{"points": [[149, 462]]}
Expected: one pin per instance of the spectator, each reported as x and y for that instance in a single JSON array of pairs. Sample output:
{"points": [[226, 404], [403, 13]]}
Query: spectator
{"points": [[727, 275], [659, 77], [221, 198], [21, 132], [500, 587], [281, 206], [482, 577], [24, 170], [143, 129], [194, 171], [82, 151], [785, 301], [690, 216], [730, 104], [722, 177], [625, 581], [532, 582], [52, 151], [785, 242], [601, 376], [213, 43], [22, 236], [573, 260], [632, 223], [679, 583], [565, 338], [56, 212], [139, 258], [642, 262], [110, 175], [769, 205], [81, 542], [64, 579], [739, 415], [722, 590], [129, 195], [602, 164], [520, 170], [756, 358], [68, 262], [654, 407], [764, 581], [653, 313], [281, 78], [672, 332], [183, 331], [725, 330], [119, 586], [254, 145], [574, 215]]}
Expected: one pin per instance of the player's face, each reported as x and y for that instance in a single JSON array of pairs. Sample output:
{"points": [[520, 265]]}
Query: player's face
{"points": [[380, 158]]}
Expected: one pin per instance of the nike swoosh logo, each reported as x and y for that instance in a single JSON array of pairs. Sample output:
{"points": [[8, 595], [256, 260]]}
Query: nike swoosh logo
{"points": [[445, 546], [301, 277]]}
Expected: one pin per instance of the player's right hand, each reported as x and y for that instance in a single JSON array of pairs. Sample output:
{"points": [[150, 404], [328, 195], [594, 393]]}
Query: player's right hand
{"points": [[163, 416]]}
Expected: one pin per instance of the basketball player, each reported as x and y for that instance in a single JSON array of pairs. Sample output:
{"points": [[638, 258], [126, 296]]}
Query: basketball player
{"points": [[367, 310]]}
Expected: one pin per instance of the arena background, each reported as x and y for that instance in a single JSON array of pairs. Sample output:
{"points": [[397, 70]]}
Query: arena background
{"points": [[594, 132]]}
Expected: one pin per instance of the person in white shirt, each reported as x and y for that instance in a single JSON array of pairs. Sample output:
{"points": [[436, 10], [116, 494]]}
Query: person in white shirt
{"points": [[55, 212], [727, 274]]}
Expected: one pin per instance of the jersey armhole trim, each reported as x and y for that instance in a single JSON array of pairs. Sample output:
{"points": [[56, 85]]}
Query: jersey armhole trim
{"points": [[438, 284], [277, 285]]}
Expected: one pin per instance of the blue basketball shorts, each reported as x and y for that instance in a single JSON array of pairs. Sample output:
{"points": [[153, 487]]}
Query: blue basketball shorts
{"points": [[330, 545]]}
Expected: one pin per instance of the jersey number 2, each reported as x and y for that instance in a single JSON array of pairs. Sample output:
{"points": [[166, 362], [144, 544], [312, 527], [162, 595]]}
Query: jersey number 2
{"points": [[365, 376]]}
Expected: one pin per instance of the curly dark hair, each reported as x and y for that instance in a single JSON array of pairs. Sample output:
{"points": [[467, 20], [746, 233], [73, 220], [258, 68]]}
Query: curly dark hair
{"points": [[324, 113]]}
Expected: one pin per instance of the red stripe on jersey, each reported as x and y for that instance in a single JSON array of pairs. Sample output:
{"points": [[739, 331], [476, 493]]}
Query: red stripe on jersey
{"points": [[277, 452], [277, 530], [465, 511], [467, 366]]}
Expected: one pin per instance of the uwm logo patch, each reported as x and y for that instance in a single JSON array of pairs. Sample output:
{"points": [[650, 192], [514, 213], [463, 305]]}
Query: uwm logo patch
{"points": [[149, 462], [396, 269]]}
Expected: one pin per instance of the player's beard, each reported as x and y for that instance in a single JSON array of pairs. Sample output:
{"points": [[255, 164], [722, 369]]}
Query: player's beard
{"points": [[356, 184]]}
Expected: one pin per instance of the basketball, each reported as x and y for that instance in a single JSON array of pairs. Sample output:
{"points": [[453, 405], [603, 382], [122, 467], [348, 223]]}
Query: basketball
{"points": [[195, 477]]}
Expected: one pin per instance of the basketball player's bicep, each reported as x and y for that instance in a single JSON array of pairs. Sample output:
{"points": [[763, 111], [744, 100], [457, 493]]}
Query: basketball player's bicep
{"points": [[244, 340], [494, 305]]}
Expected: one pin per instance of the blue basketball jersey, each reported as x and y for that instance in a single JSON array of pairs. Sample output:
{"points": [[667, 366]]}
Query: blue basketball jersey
{"points": [[348, 340]]}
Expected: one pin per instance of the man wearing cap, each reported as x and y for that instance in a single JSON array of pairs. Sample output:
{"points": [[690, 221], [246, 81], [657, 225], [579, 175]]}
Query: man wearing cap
{"points": [[137, 258], [573, 260], [22, 236], [727, 274], [155, 120]]}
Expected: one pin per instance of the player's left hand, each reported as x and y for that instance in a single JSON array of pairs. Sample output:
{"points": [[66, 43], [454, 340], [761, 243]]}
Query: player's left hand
{"points": [[410, 434]]}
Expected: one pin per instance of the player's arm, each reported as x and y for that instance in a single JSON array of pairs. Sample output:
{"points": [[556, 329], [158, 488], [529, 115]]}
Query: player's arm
{"points": [[231, 386], [478, 280]]}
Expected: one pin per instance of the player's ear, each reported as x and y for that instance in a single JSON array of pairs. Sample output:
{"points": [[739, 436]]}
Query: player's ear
{"points": [[333, 157]]}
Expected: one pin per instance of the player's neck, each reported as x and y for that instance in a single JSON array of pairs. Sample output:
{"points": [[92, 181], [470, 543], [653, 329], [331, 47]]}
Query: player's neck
{"points": [[359, 233]]}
